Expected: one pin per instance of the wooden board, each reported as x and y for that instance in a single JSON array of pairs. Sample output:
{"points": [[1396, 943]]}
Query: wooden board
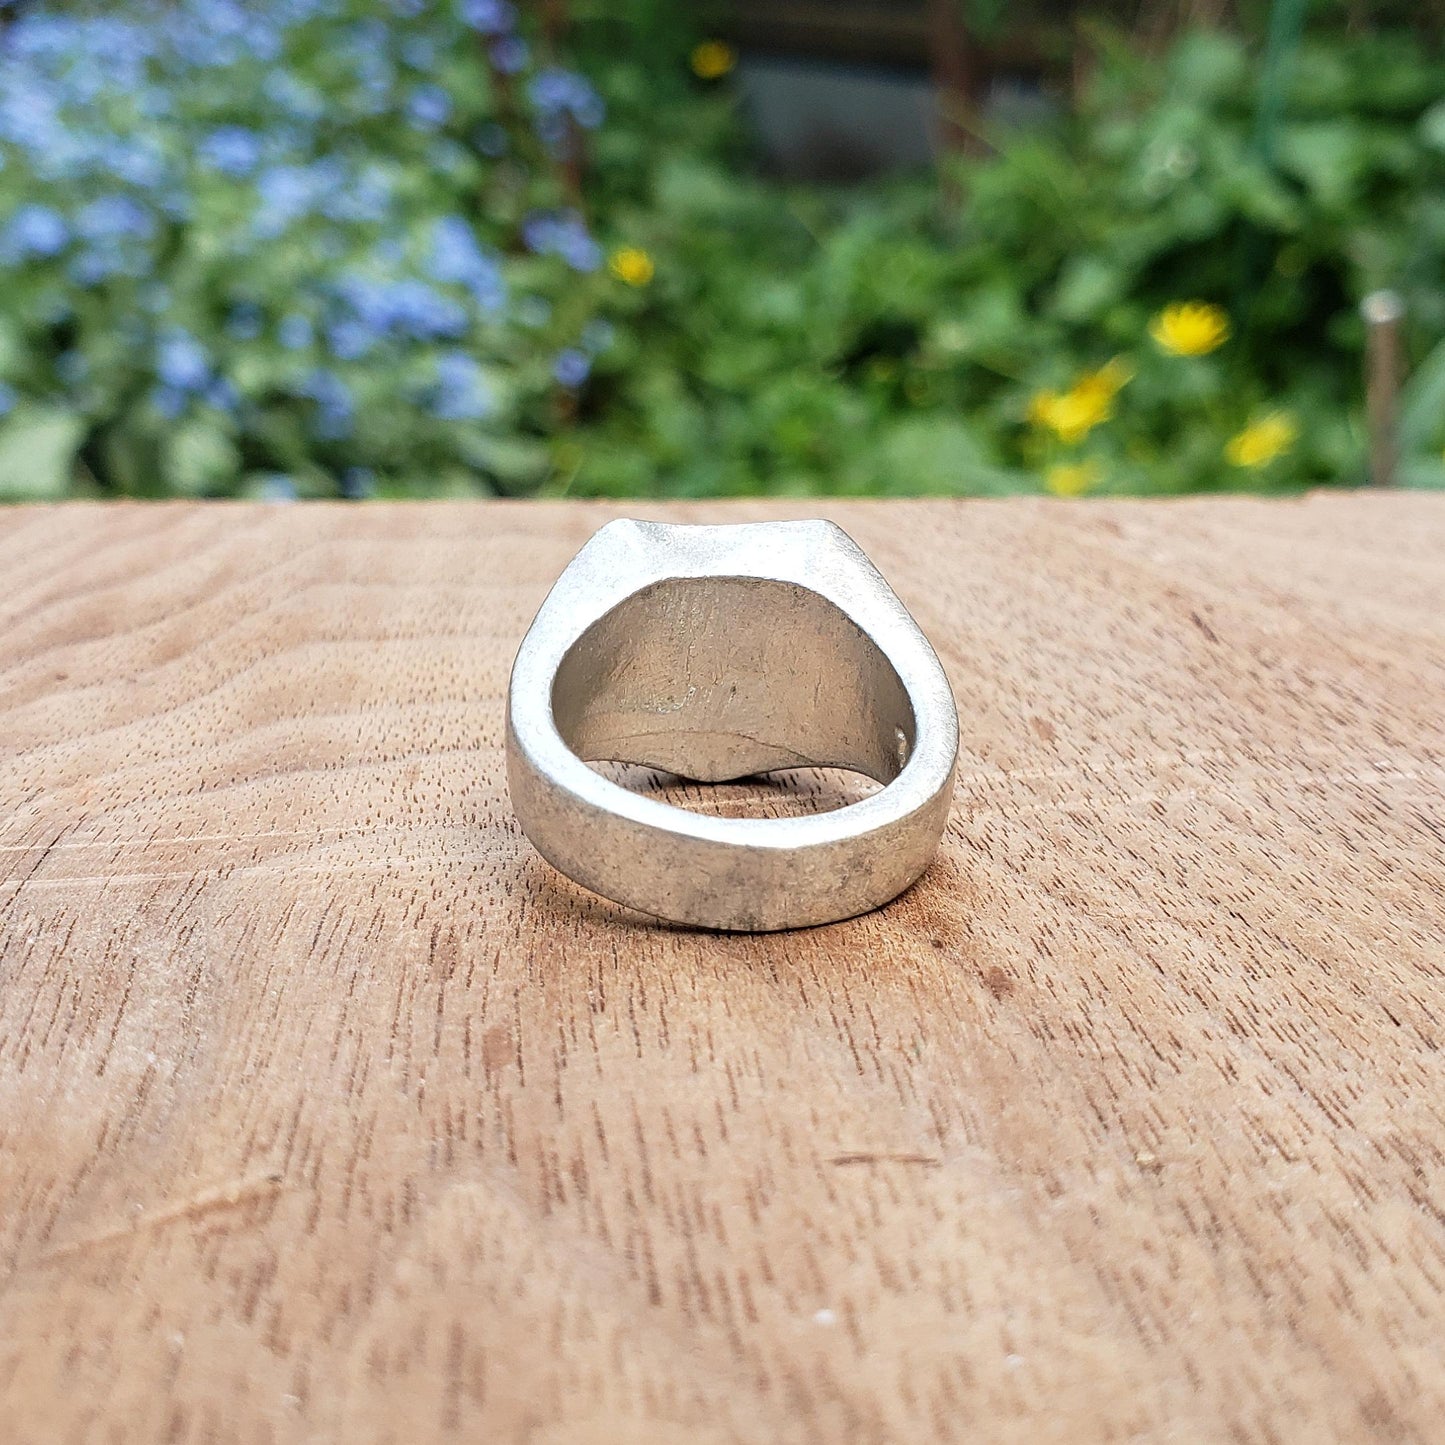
{"points": [[329, 1112]]}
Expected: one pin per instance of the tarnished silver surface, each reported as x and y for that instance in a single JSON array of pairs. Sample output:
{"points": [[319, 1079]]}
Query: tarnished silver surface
{"points": [[718, 653]]}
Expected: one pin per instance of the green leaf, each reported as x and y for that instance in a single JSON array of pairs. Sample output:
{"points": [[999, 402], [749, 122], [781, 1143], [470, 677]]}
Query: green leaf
{"points": [[198, 457], [512, 464], [1432, 126], [1088, 286], [1422, 406], [37, 452], [130, 459], [1423, 474], [1208, 66], [1327, 156], [936, 454]]}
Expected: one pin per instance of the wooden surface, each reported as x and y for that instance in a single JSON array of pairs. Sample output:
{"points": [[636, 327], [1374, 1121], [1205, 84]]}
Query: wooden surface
{"points": [[329, 1112]]}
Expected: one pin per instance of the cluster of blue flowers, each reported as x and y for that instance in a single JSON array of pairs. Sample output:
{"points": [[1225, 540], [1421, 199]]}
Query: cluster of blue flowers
{"points": [[561, 97], [184, 372], [335, 405], [34, 230], [564, 234], [462, 392], [295, 258], [374, 311], [233, 150], [457, 259]]}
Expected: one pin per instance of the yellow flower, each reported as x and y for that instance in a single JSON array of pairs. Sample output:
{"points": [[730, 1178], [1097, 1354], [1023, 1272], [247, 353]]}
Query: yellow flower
{"points": [[1071, 415], [712, 59], [1261, 442], [1190, 328], [632, 265], [1072, 479]]}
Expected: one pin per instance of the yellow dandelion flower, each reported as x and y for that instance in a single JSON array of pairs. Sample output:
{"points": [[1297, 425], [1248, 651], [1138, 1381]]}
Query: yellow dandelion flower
{"points": [[712, 59], [1071, 415], [1262, 441], [631, 264], [1066, 414], [1072, 479], [1190, 328]]}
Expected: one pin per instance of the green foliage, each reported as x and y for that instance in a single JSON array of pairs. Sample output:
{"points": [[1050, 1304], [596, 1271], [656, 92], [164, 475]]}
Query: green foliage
{"points": [[891, 340], [343, 251]]}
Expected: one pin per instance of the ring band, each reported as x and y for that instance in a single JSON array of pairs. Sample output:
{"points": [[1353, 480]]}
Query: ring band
{"points": [[720, 652]]}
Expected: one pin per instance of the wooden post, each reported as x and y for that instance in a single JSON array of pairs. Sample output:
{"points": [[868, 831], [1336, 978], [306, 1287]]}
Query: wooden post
{"points": [[1383, 312], [955, 74]]}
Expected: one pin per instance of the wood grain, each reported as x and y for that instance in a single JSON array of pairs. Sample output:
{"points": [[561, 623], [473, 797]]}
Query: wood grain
{"points": [[329, 1112]]}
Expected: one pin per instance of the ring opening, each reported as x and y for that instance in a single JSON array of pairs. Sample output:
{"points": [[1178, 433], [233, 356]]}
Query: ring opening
{"points": [[717, 678], [786, 793]]}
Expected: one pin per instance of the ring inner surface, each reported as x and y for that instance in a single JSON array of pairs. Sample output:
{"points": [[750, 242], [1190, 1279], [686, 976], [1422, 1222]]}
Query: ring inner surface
{"points": [[715, 678]]}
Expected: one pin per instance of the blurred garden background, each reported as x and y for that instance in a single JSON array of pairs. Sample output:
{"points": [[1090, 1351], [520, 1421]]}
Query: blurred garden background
{"points": [[352, 248]]}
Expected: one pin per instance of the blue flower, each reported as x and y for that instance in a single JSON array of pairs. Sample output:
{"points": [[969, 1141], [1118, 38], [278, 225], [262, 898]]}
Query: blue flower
{"points": [[90, 268], [357, 483], [598, 335], [406, 308], [336, 409], [8, 397], [419, 52], [350, 339], [287, 194], [276, 487], [169, 401], [539, 232], [295, 332], [222, 395], [298, 100], [110, 225], [232, 149], [561, 233], [134, 160], [510, 54], [363, 197], [375, 74], [181, 362], [491, 17], [457, 259], [114, 218], [462, 392], [580, 251], [207, 34], [557, 94], [34, 230], [571, 368], [245, 321], [429, 107]]}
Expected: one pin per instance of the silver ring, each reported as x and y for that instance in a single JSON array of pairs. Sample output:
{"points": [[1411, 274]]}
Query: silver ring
{"points": [[719, 653]]}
